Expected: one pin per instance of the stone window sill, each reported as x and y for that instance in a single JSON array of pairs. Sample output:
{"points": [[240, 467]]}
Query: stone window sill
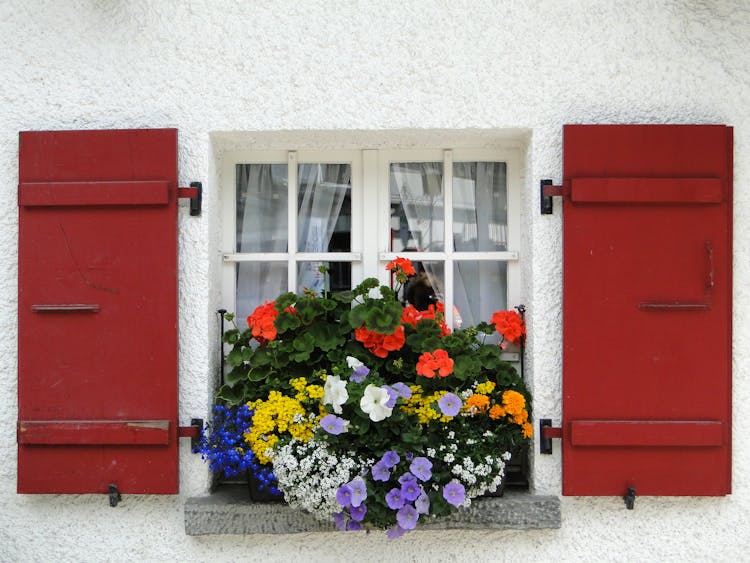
{"points": [[228, 511]]}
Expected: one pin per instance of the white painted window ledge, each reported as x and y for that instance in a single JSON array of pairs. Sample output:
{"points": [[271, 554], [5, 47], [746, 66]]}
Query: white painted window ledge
{"points": [[227, 512]]}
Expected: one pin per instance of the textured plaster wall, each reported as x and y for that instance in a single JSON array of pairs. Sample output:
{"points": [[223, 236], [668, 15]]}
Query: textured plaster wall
{"points": [[370, 73]]}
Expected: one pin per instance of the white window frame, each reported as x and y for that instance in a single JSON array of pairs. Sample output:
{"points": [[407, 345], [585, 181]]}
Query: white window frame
{"points": [[370, 208]]}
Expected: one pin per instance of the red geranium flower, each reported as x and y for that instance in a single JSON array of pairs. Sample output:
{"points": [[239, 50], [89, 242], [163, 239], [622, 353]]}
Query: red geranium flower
{"points": [[380, 344], [437, 361], [261, 322], [412, 316], [510, 325]]}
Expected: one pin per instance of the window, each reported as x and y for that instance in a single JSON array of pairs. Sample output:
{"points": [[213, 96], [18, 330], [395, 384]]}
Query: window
{"points": [[286, 213]]}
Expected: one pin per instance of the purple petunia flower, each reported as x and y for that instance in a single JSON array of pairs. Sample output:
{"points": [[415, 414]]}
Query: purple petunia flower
{"points": [[393, 396], [358, 512], [450, 404], [402, 389], [333, 424], [344, 495], [353, 526], [395, 532], [422, 504], [339, 518], [407, 517], [394, 499], [421, 467], [359, 491], [390, 459], [380, 472], [454, 493], [410, 490], [359, 374], [405, 478]]}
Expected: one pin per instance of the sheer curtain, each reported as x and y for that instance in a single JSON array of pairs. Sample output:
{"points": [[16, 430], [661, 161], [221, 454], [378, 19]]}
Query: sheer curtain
{"points": [[418, 186], [323, 189], [262, 225], [480, 224]]}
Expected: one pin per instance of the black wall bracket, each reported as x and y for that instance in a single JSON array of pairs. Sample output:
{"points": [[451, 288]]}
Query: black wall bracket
{"points": [[546, 433], [545, 201], [195, 194]]}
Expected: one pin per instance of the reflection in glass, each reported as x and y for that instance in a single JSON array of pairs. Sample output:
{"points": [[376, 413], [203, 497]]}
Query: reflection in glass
{"points": [[480, 217], [338, 278], [262, 208], [250, 293], [324, 219], [427, 287], [417, 211], [479, 289]]}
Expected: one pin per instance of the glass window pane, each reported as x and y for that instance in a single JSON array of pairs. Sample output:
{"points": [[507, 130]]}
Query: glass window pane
{"points": [[479, 289], [480, 214], [324, 202], [417, 211], [262, 216], [427, 287], [309, 276], [258, 282]]}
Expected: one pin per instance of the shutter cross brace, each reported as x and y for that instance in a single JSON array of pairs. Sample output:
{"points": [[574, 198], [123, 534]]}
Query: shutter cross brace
{"points": [[546, 433], [195, 194], [193, 432], [546, 192]]}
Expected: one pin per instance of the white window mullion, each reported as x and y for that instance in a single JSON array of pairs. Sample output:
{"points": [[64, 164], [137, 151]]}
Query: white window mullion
{"points": [[374, 218], [448, 236], [292, 220]]}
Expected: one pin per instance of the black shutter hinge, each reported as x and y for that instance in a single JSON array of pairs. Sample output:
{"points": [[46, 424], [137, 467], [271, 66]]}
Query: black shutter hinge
{"points": [[193, 432], [630, 498], [546, 192], [546, 433], [195, 193]]}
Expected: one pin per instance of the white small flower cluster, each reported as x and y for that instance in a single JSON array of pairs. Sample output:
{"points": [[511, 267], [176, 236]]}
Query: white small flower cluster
{"points": [[309, 475], [479, 476]]}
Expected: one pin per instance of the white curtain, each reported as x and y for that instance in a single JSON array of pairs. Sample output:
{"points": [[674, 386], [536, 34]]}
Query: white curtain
{"points": [[480, 219], [480, 224], [262, 225], [323, 189]]}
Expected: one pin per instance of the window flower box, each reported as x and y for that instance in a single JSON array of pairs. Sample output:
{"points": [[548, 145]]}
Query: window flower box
{"points": [[368, 413]]}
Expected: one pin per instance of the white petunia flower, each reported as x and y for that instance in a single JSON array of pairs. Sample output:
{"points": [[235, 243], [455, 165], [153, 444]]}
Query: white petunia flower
{"points": [[335, 393], [374, 402]]}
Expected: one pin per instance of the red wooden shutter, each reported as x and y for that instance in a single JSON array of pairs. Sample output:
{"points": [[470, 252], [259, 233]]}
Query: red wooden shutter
{"points": [[647, 310], [97, 311]]}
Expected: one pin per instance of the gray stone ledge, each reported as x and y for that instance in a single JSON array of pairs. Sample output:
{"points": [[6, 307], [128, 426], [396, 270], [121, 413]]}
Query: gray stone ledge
{"points": [[231, 512]]}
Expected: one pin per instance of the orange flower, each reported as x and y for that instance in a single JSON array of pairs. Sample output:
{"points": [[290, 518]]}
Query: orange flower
{"points": [[510, 325], [412, 316], [496, 412], [513, 402], [437, 361], [478, 402], [527, 430], [380, 344], [521, 417], [261, 322], [401, 265]]}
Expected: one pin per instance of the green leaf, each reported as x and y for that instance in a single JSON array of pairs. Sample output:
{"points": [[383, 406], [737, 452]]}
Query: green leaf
{"points": [[236, 375], [234, 358]]}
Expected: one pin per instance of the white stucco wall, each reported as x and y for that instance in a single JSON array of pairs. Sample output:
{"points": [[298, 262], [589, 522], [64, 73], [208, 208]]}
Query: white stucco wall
{"points": [[361, 74]]}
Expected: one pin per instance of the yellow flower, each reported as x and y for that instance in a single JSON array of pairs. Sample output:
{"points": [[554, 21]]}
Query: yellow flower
{"points": [[485, 388], [298, 383], [315, 391]]}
